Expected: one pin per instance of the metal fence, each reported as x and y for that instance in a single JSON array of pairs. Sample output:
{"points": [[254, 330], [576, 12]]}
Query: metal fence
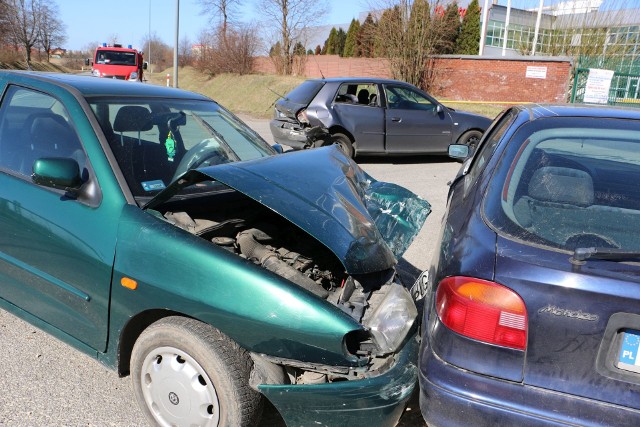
{"points": [[624, 90]]}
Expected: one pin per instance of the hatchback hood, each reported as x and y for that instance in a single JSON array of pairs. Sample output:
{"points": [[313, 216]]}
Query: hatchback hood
{"points": [[367, 224]]}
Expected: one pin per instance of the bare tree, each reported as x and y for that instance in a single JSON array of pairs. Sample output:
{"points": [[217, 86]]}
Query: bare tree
{"points": [[235, 55], [51, 28], [4, 20], [184, 52], [291, 19], [23, 26], [162, 53], [220, 10], [409, 33]]}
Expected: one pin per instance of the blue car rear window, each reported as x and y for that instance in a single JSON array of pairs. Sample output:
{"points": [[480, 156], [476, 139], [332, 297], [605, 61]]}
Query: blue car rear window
{"points": [[568, 183]]}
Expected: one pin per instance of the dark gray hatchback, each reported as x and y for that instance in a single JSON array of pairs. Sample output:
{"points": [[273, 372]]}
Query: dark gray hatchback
{"points": [[372, 117]]}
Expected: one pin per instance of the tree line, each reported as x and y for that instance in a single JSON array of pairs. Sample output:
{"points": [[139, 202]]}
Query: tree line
{"points": [[458, 31], [409, 34], [406, 32], [30, 25]]}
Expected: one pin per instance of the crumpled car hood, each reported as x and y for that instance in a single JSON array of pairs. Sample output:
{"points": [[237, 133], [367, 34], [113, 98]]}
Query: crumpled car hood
{"points": [[367, 224]]}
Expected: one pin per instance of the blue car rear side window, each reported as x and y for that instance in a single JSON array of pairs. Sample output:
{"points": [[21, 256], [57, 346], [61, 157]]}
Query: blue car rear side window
{"points": [[568, 183], [305, 92]]}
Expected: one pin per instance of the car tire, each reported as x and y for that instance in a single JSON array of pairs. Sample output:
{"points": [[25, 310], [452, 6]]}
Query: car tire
{"points": [[166, 358], [470, 138], [345, 144]]}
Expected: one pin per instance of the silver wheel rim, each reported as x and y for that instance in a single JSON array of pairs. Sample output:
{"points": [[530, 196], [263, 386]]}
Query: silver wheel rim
{"points": [[177, 389]]}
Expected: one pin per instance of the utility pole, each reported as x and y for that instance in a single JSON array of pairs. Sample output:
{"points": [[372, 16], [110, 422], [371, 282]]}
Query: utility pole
{"points": [[149, 39], [506, 28], [175, 46], [537, 31], [483, 31]]}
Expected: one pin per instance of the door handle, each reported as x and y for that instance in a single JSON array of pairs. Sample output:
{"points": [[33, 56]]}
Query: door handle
{"points": [[396, 119]]}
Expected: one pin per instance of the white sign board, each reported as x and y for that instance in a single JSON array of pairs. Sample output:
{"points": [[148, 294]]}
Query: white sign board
{"points": [[536, 72], [598, 83]]}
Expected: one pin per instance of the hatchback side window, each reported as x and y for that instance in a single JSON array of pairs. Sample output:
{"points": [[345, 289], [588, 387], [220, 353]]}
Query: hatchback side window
{"points": [[404, 98], [34, 125], [358, 94]]}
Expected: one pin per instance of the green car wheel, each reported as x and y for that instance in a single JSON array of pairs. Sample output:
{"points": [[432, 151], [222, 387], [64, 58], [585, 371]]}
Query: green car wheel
{"points": [[187, 373]]}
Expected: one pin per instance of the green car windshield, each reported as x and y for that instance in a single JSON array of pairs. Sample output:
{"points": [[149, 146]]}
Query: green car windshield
{"points": [[156, 140]]}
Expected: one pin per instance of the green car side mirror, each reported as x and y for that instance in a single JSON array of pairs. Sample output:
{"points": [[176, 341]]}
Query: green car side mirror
{"points": [[57, 172]]}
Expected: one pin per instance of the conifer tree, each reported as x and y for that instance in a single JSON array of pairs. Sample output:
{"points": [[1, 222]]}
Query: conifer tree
{"points": [[331, 42], [468, 42], [350, 43], [367, 37], [450, 28]]}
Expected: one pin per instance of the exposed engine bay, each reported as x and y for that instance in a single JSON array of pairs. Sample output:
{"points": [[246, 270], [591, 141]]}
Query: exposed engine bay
{"points": [[250, 230], [282, 248]]}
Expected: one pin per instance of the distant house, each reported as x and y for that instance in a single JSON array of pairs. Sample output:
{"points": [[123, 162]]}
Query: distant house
{"points": [[58, 52]]}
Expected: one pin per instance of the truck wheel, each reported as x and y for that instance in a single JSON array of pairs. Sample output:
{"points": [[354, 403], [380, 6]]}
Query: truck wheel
{"points": [[471, 138], [343, 141], [185, 372]]}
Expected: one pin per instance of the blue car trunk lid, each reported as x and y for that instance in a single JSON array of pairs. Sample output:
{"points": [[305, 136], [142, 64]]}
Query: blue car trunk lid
{"points": [[578, 315], [367, 224]]}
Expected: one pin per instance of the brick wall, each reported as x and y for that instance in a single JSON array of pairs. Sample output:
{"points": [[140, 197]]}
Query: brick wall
{"points": [[461, 78]]}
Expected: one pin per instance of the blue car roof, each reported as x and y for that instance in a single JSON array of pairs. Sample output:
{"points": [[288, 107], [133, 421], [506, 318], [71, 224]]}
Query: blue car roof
{"points": [[579, 110]]}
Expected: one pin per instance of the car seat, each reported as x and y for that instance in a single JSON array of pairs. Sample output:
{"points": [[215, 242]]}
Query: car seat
{"points": [[363, 97]]}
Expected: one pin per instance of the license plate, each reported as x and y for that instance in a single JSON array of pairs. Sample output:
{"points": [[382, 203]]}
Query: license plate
{"points": [[629, 356], [420, 287]]}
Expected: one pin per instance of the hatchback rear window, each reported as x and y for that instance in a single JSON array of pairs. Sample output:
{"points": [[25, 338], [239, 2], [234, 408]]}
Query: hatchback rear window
{"points": [[569, 183], [305, 92]]}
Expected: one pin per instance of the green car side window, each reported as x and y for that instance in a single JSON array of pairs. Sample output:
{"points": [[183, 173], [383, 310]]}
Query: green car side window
{"points": [[34, 125]]}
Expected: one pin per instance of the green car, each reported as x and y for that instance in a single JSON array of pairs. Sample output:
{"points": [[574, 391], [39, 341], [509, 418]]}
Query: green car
{"points": [[153, 230]]}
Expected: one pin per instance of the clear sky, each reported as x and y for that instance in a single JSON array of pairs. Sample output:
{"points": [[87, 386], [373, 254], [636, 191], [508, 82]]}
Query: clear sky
{"points": [[91, 22]]}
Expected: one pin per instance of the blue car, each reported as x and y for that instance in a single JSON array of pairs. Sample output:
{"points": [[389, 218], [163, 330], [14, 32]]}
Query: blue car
{"points": [[532, 302]]}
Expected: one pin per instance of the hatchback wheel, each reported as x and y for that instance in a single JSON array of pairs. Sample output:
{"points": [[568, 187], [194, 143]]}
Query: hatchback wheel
{"points": [[187, 373], [343, 141], [471, 138]]}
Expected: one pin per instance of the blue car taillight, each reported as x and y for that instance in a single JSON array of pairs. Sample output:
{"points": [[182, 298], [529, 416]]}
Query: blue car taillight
{"points": [[483, 310]]}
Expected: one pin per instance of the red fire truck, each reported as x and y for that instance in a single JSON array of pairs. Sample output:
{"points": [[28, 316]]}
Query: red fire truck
{"points": [[117, 62]]}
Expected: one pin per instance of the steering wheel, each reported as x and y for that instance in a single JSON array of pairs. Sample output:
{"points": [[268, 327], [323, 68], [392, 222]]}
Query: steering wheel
{"points": [[207, 152]]}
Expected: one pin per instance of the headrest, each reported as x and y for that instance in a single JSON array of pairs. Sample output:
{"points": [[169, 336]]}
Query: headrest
{"points": [[363, 96], [50, 132], [132, 118], [562, 185]]}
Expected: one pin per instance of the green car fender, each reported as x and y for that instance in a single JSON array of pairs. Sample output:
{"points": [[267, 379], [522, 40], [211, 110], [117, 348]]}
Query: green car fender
{"points": [[177, 272]]}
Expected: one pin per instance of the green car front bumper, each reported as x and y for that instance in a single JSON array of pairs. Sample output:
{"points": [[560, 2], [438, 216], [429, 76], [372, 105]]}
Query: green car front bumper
{"points": [[375, 401]]}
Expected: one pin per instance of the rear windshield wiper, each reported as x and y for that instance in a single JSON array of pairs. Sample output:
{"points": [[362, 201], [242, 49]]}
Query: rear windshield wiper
{"points": [[582, 254]]}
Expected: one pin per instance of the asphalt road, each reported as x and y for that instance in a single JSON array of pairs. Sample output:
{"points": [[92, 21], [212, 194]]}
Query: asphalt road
{"points": [[44, 382]]}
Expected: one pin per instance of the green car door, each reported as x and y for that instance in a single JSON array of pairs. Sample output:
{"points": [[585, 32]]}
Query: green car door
{"points": [[56, 249]]}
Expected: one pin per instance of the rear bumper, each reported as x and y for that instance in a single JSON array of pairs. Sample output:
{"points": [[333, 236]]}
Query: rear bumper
{"points": [[292, 135], [377, 401], [285, 133], [450, 396]]}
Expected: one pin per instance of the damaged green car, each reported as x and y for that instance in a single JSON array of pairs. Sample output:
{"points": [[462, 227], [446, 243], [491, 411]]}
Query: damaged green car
{"points": [[153, 230]]}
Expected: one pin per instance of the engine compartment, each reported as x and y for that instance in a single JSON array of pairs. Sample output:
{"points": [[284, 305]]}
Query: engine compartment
{"points": [[247, 229]]}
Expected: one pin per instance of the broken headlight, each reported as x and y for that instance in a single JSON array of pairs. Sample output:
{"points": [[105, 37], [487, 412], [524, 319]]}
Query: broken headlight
{"points": [[392, 319]]}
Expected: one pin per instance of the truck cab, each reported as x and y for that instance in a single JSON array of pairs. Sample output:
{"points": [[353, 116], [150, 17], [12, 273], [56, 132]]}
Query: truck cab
{"points": [[117, 62]]}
